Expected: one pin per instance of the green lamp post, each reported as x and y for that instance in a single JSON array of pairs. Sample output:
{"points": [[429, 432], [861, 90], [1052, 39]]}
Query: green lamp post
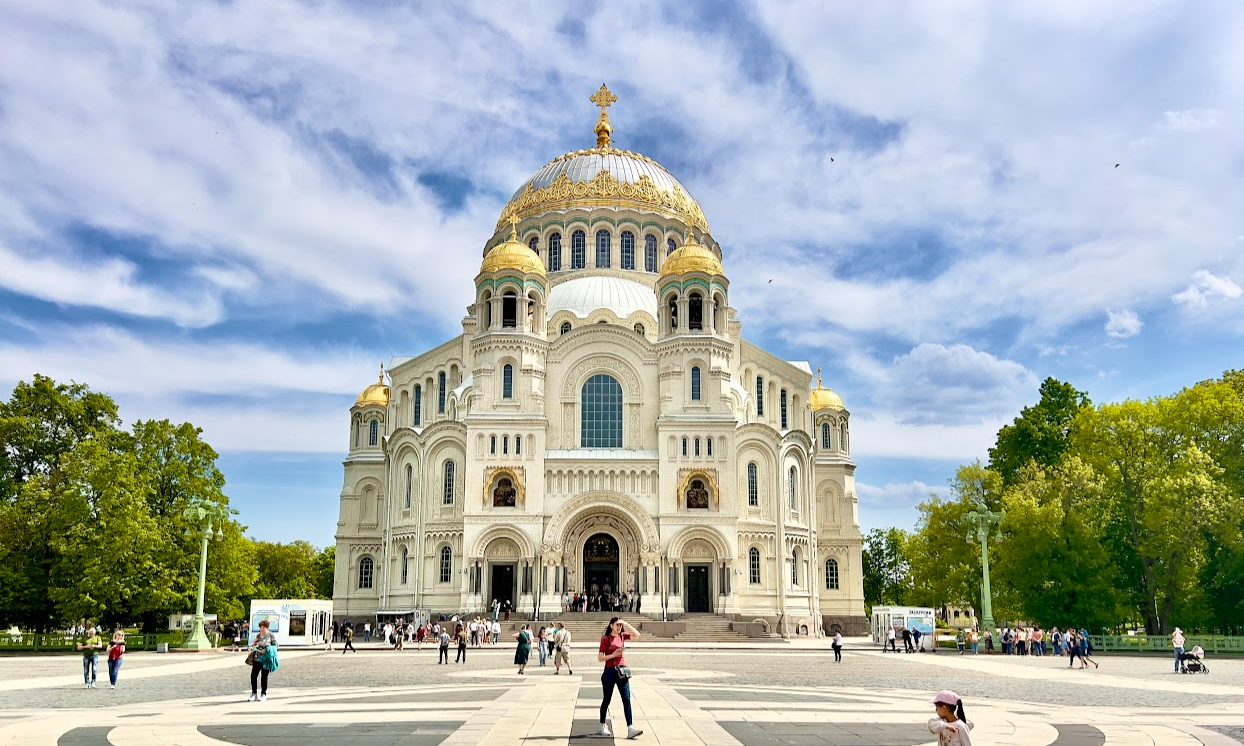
{"points": [[980, 522], [207, 516]]}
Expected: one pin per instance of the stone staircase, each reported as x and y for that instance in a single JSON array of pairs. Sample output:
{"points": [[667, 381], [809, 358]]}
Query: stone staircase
{"points": [[708, 628], [586, 628]]}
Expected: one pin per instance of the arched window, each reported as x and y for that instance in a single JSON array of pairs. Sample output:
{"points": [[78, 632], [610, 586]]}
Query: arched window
{"points": [[565, 327], [673, 310], [507, 382], [357, 427], [794, 568], [418, 416], [447, 564], [697, 446], [650, 253], [555, 252], [628, 250], [831, 574], [825, 435], [448, 486], [671, 246], [410, 480], [440, 393], [373, 436], [639, 329], [695, 383], [708, 445], [601, 421], [695, 312], [753, 566], [684, 446], [602, 248], [492, 445], [792, 488], [518, 445], [753, 490], [509, 310], [842, 437], [783, 408], [367, 569], [405, 566], [534, 245], [760, 396], [578, 249], [505, 444]]}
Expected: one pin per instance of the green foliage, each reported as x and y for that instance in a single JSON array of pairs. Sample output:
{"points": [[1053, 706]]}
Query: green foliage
{"points": [[1041, 433], [946, 568], [887, 569], [323, 570]]}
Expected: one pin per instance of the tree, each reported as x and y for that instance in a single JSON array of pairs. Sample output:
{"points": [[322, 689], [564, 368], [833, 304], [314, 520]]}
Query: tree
{"points": [[324, 568], [1041, 433], [285, 570], [887, 570], [946, 567]]}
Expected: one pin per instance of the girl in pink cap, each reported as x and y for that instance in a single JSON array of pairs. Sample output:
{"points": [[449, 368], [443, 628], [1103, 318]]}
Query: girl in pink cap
{"points": [[950, 725]]}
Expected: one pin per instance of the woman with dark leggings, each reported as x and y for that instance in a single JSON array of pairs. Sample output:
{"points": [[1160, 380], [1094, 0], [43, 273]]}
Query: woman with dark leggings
{"points": [[612, 649], [260, 667]]}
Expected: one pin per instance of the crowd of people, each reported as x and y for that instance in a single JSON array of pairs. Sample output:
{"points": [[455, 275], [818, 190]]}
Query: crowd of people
{"points": [[598, 599]]}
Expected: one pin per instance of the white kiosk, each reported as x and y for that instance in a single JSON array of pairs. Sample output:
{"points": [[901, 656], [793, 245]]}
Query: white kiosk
{"points": [[294, 621], [900, 618]]}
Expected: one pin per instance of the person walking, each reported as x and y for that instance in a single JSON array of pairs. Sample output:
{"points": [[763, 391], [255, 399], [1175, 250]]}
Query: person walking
{"points": [[90, 648], [541, 640], [1177, 640], [974, 640], [915, 639], [523, 652], [907, 648], [612, 653], [347, 634], [116, 649], [460, 634], [442, 643], [837, 646], [561, 647], [262, 658], [889, 640], [961, 641]]}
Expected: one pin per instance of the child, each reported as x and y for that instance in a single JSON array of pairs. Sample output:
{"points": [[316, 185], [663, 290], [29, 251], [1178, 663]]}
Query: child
{"points": [[950, 725]]}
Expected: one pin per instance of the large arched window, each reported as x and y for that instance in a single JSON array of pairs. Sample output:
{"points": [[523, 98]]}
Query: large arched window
{"points": [[783, 408], [760, 396], [578, 249], [447, 564], [509, 310], [650, 253], [534, 245], [601, 420], [825, 435], [602, 248], [507, 382], [447, 488], [695, 383], [367, 570], [753, 566], [831, 574], [671, 246], [753, 489], [410, 483], [793, 496], [440, 393], [418, 414], [373, 434], [405, 565], [555, 252], [628, 250], [695, 312]]}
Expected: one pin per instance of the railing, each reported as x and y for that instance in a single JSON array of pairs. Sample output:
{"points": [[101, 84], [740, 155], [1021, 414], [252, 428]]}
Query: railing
{"points": [[59, 642], [1162, 643]]}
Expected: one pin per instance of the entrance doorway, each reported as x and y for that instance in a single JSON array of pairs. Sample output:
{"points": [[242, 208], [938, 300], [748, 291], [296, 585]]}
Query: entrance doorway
{"points": [[600, 564], [697, 600], [503, 584]]}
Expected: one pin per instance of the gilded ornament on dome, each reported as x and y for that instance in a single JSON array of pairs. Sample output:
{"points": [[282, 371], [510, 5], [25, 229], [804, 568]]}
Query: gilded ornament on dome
{"points": [[604, 185]]}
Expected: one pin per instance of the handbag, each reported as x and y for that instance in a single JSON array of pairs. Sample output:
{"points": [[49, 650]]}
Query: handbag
{"points": [[250, 658], [623, 673]]}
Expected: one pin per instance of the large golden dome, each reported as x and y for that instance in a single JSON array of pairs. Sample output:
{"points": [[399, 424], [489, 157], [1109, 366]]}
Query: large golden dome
{"points": [[376, 394], [514, 255], [604, 176], [823, 398], [691, 257]]}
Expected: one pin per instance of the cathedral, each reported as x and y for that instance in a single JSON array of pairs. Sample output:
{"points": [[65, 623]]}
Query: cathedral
{"points": [[602, 425]]}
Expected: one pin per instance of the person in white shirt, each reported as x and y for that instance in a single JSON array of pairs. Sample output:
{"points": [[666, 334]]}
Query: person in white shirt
{"points": [[496, 632], [951, 725], [837, 647], [1177, 639], [889, 639]]}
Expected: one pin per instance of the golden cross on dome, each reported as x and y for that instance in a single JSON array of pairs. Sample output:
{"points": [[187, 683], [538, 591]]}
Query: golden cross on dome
{"points": [[603, 98], [381, 379], [513, 225], [818, 377]]}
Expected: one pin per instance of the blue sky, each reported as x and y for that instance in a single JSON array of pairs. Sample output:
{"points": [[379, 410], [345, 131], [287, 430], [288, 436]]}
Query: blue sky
{"points": [[228, 213]]}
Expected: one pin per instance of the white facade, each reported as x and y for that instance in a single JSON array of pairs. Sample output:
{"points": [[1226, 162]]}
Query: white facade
{"points": [[601, 421]]}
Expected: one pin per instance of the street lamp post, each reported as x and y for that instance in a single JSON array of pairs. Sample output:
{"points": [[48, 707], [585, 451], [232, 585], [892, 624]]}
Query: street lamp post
{"points": [[980, 522], [207, 516]]}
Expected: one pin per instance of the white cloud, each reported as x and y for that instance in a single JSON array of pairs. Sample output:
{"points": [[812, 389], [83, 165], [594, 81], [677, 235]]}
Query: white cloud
{"points": [[1192, 120], [893, 495], [1123, 324], [883, 435], [1206, 286]]}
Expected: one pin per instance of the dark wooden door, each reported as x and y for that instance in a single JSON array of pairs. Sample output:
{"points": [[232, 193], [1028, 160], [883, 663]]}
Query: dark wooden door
{"points": [[503, 584], [697, 589]]}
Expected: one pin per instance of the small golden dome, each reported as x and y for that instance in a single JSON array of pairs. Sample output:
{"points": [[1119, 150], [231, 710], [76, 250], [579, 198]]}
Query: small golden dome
{"points": [[691, 257], [823, 398], [512, 255], [376, 394]]}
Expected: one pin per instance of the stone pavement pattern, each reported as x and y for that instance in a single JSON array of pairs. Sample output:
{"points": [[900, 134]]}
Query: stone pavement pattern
{"points": [[795, 697]]}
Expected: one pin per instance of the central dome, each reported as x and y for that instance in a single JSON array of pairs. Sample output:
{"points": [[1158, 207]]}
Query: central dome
{"points": [[582, 295], [588, 178]]}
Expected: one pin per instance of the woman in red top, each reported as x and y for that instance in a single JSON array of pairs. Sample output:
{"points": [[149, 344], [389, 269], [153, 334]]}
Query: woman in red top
{"points": [[612, 649]]}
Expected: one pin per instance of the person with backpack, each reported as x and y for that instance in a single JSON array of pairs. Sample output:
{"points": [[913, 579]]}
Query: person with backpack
{"points": [[263, 660]]}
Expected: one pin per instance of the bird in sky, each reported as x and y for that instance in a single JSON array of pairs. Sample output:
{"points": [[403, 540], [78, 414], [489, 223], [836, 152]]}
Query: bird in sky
{"points": [[1116, 165]]}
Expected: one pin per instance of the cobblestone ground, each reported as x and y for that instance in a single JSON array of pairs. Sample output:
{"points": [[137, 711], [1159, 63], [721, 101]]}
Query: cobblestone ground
{"points": [[769, 696]]}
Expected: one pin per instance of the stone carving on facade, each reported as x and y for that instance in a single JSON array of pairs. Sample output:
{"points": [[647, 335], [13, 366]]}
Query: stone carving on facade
{"points": [[603, 504], [615, 366]]}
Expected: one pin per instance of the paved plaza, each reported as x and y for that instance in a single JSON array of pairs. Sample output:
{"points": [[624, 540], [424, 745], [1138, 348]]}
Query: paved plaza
{"points": [[763, 695]]}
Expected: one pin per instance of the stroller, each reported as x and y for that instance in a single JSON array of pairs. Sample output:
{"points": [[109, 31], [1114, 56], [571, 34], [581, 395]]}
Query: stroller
{"points": [[1193, 661]]}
